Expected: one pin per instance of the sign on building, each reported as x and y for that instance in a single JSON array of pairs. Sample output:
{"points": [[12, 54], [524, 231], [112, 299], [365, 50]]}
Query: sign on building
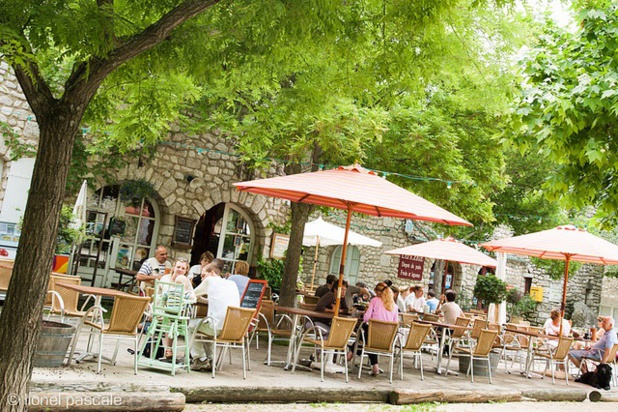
{"points": [[411, 267]]}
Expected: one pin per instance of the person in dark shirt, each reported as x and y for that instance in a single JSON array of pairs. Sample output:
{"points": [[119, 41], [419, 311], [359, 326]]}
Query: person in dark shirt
{"points": [[324, 289], [327, 304]]}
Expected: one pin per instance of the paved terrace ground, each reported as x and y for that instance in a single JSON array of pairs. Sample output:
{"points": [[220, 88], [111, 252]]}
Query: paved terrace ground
{"points": [[152, 389]]}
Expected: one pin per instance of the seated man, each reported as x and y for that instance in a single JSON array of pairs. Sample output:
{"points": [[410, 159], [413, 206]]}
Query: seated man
{"points": [[600, 350], [221, 294], [327, 304], [415, 302], [154, 268], [324, 289]]}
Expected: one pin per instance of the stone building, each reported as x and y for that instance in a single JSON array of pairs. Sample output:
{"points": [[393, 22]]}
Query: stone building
{"points": [[193, 207]]}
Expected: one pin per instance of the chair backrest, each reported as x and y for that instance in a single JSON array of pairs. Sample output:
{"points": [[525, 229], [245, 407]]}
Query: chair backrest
{"points": [[69, 297], [268, 311], [127, 314], [478, 325], [306, 306], [408, 318], [485, 342], [5, 275], [340, 331], [562, 350], [168, 298], [381, 334], [236, 324], [460, 321], [416, 336], [311, 300], [431, 317], [612, 353]]}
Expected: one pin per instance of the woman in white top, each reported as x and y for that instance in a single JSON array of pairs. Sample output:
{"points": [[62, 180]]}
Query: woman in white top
{"points": [[552, 327]]}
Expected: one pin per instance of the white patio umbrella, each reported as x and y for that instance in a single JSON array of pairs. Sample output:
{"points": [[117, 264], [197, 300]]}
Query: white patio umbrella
{"points": [[81, 204], [320, 233]]}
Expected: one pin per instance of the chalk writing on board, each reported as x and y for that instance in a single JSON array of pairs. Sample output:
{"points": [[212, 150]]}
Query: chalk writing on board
{"points": [[253, 294], [183, 231]]}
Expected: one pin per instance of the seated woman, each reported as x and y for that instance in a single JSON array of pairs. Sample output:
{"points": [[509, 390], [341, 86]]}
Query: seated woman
{"points": [[178, 275], [552, 327], [327, 304], [384, 308]]}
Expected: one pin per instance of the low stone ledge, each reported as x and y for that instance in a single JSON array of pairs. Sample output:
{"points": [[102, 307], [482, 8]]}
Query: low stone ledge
{"points": [[556, 395], [223, 394], [602, 396], [404, 397]]}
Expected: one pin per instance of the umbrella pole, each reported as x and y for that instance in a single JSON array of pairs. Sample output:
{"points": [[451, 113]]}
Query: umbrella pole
{"points": [[564, 291], [344, 250], [315, 260], [444, 277]]}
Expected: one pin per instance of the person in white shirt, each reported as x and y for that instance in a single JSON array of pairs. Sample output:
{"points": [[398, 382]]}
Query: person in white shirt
{"points": [[450, 309], [153, 268], [415, 302], [221, 294], [404, 292], [552, 327]]}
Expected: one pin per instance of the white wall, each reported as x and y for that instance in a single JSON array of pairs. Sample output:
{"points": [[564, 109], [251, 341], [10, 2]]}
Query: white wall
{"points": [[17, 186]]}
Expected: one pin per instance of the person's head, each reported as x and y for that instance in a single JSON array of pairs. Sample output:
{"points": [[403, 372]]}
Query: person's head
{"points": [[206, 258], [385, 293], [181, 267], [380, 288], [431, 294], [210, 269], [418, 291], [404, 291], [219, 263], [388, 282], [450, 296], [554, 314], [344, 287], [161, 254], [330, 280], [361, 285], [607, 323], [241, 268]]}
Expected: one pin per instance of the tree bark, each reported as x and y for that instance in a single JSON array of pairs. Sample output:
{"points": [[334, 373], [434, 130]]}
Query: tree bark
{"points": [[21, 314], [300, 215]]}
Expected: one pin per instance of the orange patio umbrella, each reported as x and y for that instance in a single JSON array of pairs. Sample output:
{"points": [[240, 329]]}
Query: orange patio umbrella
{"points": [[561, 243], [354, 189], [450, 250]]}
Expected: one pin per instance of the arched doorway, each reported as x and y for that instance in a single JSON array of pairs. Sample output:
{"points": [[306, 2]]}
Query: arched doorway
{"points": [[227, 232], [130, 235]]}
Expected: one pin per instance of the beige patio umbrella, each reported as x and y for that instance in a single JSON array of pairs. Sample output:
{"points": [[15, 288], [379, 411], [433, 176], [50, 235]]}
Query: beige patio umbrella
{"points": [[561, 243], [448, 249], [353, 189]]}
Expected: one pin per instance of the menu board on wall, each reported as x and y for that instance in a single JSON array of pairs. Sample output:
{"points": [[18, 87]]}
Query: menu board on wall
{"points": [[411, 267], [279, 245], [183, 232]]}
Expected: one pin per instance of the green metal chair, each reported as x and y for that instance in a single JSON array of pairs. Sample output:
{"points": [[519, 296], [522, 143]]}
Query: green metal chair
{"points": [[168, 318]]}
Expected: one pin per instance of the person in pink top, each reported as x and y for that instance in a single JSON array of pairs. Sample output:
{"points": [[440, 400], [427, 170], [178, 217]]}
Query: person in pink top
{"points": [[382, 307]]}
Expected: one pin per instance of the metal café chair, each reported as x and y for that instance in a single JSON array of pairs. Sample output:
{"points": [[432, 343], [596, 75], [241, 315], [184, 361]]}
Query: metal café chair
{"points": [[554, 357], [413, 344], [380, 341], [481, 350]]}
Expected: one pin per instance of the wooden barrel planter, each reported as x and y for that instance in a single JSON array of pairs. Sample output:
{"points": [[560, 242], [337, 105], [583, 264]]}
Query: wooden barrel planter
{"points": [[480, 365], [53, 344]]}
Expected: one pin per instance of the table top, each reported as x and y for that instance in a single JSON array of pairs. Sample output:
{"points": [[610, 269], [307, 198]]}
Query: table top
{"points": [[91, 290], [126, 271], [443, 325], [531, 333]]}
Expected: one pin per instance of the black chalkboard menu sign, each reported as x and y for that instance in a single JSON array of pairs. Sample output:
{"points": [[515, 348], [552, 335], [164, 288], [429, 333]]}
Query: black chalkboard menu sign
{"points": [[252, 296], [183, 232]]}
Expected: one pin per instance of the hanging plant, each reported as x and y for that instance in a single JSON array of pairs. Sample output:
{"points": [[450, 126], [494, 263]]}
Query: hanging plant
{"points": [[132, 191]]}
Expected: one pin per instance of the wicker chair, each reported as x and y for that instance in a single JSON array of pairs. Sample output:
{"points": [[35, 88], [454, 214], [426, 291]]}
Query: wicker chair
{"points": [[64, 302], [276, 327], [126, 316], [408, 318], [481, 350], [5, 276], [456, 337], [431, 317], [380, 341], [555, 356], [611, 361], [234, 335], [416, 338], [306, 306], [336, 343]]}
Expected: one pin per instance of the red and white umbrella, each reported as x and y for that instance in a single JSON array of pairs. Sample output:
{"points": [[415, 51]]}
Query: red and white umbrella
{"points": [[354, 189], [448, 249], [560, 243]]}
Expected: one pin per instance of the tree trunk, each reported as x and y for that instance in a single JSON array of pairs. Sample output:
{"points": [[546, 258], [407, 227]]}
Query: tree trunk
{"points": [[21, 314], [300, 215]]}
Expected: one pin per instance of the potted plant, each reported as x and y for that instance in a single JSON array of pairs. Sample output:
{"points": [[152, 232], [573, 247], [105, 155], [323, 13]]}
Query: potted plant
{"points": [[490, 289], [525, 308]]}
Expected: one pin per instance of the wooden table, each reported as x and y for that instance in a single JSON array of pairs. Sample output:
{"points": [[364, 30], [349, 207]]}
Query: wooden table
{"points": [[296, 314], [444, 327], [125, 272], [532, 336]]}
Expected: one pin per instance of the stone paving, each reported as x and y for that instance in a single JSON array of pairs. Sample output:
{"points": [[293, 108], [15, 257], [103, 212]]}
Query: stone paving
{"points": [[273, 383]]}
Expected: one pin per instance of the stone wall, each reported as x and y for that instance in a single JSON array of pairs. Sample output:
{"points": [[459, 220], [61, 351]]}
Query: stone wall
{"points": [[14, 111]]}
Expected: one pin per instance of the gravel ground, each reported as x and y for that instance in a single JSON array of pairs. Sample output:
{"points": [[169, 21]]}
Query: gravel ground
{"points": [[453, 407]]}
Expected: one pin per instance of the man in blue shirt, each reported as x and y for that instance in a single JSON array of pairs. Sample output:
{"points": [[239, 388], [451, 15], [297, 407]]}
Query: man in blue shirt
{"points": [[600, 350]]}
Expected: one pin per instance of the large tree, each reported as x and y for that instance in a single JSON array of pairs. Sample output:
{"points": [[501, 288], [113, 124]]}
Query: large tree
{"points": [[567, 109], [99, 37]]}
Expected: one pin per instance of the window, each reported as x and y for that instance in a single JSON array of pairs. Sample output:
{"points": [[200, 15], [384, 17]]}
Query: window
{"points": [[235, 237], [352, 262]]}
